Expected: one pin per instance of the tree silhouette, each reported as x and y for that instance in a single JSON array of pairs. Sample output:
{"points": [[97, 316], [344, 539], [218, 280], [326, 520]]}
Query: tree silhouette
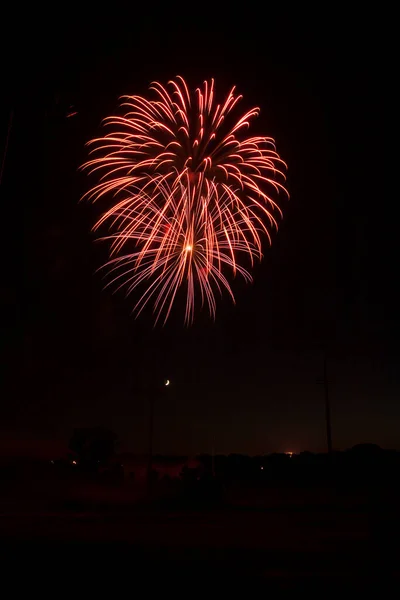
{"points": [[93, 445]]}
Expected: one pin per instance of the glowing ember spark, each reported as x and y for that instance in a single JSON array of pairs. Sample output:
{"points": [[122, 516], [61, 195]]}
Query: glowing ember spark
{"points": [[191, 194]]}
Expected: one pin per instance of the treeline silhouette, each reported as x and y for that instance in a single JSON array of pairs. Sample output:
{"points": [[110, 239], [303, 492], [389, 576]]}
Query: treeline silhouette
{"points": [[361, 464], [93, 452]]}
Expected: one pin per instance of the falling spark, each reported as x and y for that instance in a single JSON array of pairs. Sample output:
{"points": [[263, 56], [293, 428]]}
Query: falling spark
{"points": [[191, 195]]}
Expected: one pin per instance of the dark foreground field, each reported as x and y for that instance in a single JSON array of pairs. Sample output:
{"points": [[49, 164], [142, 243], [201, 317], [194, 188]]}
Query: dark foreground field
{"points": [[288, 538]]}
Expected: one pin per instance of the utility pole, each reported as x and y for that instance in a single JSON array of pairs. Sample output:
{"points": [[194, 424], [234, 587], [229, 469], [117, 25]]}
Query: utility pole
{"points": [[154, 394], [151, 431], [213, 458], [327, 408], [3, 162]]}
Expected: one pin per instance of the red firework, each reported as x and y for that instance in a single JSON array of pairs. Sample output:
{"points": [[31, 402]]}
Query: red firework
{"points": [[191, 194]]}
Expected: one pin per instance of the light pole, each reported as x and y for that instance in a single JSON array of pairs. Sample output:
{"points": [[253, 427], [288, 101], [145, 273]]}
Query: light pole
{"points": [[154, 393], [213, 457], [327, 408], [3, 161]]}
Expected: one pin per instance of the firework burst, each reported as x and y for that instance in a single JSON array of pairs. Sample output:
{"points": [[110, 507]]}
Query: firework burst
{"points": [[192, 195]]}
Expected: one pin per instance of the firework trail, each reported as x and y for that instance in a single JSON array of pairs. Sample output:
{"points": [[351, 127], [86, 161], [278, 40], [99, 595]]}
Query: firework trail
{"points": [[192, 196]]}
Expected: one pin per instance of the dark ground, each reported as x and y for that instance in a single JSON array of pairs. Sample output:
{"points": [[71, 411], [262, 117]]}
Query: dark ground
{"points": [[322, 539]]}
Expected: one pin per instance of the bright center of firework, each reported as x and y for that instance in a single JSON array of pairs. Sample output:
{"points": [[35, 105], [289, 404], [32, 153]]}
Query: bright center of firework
{"points": [[189, 248]]}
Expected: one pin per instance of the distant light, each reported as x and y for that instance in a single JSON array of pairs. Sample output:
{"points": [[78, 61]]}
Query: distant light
{"points": [[189, 248], [74, 462], [262, 468], [167, 382], [52, 462], [290, 454]]}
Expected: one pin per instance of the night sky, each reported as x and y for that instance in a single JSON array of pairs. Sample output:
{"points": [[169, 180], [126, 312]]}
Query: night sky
{"points": [[72, 353]]}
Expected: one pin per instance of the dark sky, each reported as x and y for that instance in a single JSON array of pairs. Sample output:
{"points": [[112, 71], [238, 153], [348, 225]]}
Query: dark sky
{"points": [[72, 353]]}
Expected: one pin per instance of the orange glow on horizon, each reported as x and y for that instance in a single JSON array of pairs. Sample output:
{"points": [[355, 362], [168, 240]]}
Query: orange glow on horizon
{"points": [[180, 167]]}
